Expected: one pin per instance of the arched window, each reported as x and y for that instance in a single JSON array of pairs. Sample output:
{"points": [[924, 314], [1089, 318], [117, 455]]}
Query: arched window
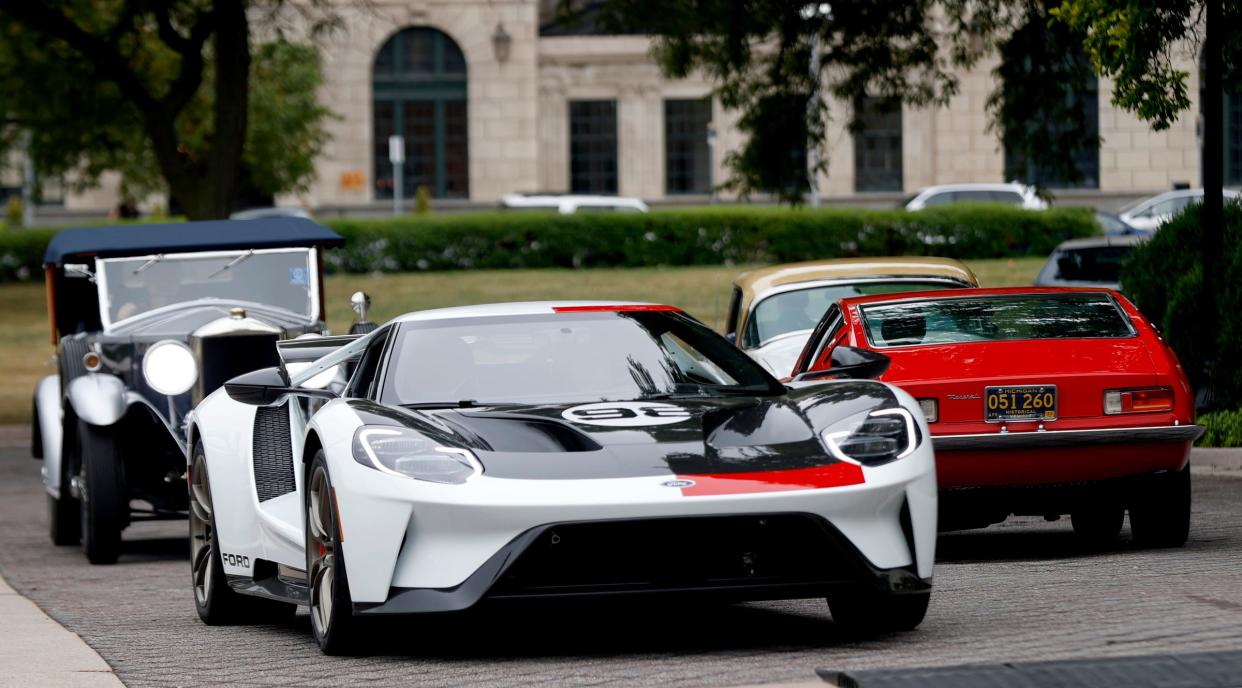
{"points": [[419, 86]]}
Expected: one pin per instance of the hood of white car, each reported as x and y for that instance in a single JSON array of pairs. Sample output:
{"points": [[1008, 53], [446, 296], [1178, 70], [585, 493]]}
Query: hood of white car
{"points": [[778, 355]]}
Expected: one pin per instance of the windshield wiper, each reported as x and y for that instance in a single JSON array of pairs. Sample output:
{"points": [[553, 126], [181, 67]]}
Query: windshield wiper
{"points": [[151, 261], [233, 262]]}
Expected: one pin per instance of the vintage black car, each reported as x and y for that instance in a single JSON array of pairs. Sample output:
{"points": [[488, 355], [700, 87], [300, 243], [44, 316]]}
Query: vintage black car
{"points": [[148, 320]]}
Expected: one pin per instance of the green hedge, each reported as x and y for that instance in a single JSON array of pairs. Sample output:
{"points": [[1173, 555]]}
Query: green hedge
{"points": [[1164, 278], [1221, 429], [701, 236], [698, 236]]}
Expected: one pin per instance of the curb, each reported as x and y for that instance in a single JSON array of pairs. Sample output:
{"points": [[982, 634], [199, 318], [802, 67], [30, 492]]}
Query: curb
{"points": [[1217, 459], [37, 651]]}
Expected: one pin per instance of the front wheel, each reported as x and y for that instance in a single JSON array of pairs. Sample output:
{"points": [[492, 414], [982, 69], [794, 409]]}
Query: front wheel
{"points": [[1160, 510], [865, 613], [104, 496], [331, 608]]}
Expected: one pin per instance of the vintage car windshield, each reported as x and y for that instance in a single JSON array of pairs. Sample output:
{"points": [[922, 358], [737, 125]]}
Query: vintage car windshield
{"points": [[801, 309], [995, 318], [281, 278], [560, 357]]}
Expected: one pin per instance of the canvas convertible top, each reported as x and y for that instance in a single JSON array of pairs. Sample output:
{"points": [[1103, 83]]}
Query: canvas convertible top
{"points": [[186, 237]]}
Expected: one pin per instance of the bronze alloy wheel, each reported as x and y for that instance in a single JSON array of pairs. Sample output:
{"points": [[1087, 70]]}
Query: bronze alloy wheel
{"points": [[321, 551], [202, 552]]}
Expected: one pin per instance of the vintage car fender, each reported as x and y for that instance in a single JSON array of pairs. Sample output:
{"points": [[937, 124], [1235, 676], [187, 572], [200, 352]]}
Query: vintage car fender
{"points": [[98, 398], [46, 444]]}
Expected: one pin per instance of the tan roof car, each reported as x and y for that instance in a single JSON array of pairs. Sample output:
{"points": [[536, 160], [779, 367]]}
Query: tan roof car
{"points": [[773, 309]]}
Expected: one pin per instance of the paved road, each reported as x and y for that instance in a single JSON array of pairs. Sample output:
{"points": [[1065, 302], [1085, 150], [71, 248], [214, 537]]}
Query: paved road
{"points": [[1017, 592]]}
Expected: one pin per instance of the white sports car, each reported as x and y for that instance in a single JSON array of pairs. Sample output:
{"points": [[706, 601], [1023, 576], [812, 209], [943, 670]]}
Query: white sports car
{"points": [[538, 450]]}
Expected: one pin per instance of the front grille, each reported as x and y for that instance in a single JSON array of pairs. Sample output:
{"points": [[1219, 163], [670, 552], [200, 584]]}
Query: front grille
{"points": [[679, 554], [273, 455]]}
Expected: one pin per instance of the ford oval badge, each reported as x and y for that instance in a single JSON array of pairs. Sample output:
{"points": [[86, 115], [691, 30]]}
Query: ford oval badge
{"points": [[678, 483]]}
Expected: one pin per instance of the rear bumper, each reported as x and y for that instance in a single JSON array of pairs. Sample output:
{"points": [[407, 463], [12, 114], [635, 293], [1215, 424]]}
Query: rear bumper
{"points": [[1063, 456], [1049, 439]]}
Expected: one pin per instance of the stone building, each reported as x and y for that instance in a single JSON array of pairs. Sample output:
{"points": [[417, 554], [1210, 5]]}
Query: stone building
{"points": [[494, 96]]}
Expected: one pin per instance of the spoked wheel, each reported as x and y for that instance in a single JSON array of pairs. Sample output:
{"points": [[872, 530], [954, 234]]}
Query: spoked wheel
{"points": [[216, 602], [331, 609]]}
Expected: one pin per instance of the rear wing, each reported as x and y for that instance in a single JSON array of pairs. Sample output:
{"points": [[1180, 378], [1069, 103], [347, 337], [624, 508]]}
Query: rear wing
{"points": [[311, 349]]}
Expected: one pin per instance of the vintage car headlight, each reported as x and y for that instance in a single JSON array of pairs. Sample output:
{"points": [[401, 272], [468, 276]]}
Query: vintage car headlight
{"points": [[407, 453], [169, 367], [873, 438]]}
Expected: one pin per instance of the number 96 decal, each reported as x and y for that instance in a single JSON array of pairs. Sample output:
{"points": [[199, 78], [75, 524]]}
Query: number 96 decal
{"points": [[621, 414]]}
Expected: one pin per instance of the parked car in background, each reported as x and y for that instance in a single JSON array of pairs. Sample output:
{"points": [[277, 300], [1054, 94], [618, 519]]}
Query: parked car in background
{"points": [[1012, 193], [1040, 401], [567, 204], [774, 309], [1093, 262], [147, 321], [1148, 214], [1113, 225], [545, 451], [264, 213]]}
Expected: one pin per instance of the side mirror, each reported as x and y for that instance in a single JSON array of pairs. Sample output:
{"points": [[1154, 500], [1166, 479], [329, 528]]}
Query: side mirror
{"points": [[266, 386], [850, 362], [361, 303]]}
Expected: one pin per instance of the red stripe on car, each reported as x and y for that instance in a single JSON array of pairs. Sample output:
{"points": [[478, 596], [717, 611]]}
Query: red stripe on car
{"points": [[619, 308], [829, 475]]}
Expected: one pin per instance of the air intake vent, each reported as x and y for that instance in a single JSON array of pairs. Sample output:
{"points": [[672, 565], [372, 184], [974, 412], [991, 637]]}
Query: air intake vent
{"points": [[273, 455]]}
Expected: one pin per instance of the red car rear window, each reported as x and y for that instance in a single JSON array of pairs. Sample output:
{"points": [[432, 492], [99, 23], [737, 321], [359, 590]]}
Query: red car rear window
{"points": [[995, 318]]}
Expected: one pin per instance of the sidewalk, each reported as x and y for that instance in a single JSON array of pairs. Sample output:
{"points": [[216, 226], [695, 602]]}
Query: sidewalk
{"points": [[37, 651]]}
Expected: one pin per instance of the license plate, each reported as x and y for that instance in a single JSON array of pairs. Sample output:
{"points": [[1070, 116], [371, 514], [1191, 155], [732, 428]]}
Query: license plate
{"points": [[1020, 403]]}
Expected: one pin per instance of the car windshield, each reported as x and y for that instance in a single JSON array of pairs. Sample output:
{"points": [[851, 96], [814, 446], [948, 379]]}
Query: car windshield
{"points": [[801, 309], [1095, 264], [282, 278], [605, 355], [995, 318]]}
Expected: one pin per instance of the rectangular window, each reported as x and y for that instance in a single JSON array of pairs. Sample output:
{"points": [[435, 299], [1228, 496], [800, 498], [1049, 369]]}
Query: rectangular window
{"points": [[593, 146], [687, 157], [1087, 101], [877, 145], [995, 319]]}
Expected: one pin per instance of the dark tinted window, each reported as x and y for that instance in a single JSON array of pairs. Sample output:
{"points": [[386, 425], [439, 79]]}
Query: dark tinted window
{"points": [[687, 157], [593, 146], [367, 367], [1100, 264], [995, 318], [567, 357]]}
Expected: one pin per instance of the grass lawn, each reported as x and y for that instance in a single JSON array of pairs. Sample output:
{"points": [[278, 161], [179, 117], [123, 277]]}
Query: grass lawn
{"points": [[703, 291]]}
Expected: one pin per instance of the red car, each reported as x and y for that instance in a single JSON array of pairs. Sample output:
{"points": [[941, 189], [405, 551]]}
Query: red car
{"points": [[1040, 401]]}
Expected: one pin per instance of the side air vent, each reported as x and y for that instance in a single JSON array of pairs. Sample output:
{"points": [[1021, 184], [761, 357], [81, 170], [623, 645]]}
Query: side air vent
{"points": [[273, 456]]}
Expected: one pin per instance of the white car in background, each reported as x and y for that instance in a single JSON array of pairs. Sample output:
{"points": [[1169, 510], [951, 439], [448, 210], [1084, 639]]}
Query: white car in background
{"points": [[1149, 213], [1012, 193], [567, 204]]}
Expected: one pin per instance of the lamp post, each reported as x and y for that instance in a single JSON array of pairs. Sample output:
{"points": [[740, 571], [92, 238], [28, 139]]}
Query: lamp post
{"points": [[810, 13], [396, 156]]}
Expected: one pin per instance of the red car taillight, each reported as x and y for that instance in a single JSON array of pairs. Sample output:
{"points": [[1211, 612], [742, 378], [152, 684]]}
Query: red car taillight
{"points": [[1145, 400]]}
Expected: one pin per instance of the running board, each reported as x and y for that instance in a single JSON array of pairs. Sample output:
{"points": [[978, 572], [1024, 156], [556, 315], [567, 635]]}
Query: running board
{"points": [[274, 582]]}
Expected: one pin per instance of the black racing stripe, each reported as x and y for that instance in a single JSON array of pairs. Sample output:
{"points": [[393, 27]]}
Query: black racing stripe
{"points": [[717, 436]]}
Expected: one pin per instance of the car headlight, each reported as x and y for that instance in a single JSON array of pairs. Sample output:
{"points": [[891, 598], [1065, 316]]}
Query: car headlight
{"points": [[169, 367], [407, 453], [873, 438]]}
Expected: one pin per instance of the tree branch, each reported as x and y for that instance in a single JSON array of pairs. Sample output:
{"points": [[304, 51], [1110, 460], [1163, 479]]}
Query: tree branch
{"points": [[104, 56]]}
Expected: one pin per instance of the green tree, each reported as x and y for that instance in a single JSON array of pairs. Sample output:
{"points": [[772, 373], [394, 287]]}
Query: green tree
{"points": [[171, 93], [1135, 43], [774, 61]]}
